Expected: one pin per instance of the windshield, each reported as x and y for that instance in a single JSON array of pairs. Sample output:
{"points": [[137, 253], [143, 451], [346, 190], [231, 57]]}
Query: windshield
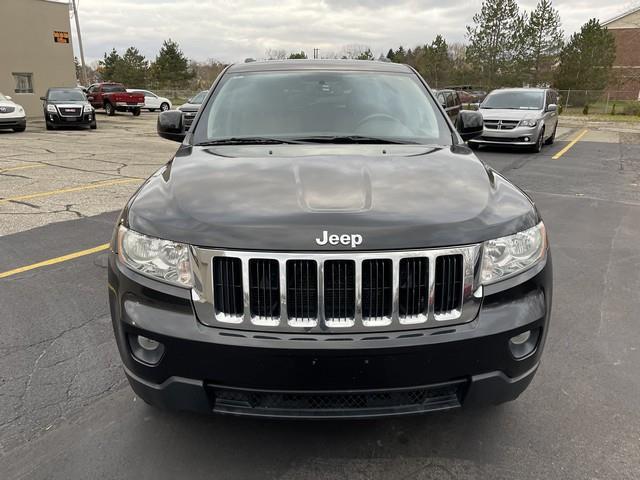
{"points": [[199, 98], [66, 96], [113, 88], [308, 106], [518, 100]]}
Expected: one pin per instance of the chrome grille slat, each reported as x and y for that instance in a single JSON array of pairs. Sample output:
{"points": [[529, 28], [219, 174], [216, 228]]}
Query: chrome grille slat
{"points": [[325, 292]]}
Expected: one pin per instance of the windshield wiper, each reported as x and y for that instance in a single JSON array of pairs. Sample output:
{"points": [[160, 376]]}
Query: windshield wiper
{"points": [[246, 141], [352, 139]]}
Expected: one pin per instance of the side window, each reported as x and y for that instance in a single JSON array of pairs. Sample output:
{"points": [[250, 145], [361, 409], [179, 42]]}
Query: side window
{"points": [[93, 89], [24, 82], [441, 100], [451, 102]]}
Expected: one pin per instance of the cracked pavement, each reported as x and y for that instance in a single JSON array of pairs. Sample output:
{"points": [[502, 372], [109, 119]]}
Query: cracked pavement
{"points": [[123, 147], [67, 412]]}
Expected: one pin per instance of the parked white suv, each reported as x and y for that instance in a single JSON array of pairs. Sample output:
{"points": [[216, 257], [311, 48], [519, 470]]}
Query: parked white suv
{"points": [[153, 102], [12, 115]]}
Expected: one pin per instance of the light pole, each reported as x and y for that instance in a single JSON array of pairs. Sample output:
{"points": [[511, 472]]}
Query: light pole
{"points": [[83, 70]]}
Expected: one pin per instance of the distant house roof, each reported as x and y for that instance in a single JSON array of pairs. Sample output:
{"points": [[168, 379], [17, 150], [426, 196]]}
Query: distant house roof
{"points": [[622, 16]]}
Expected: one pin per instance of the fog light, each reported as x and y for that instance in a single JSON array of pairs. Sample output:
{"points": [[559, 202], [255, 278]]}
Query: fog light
{"points": [[527, 139], [147, 343], [517, 340], [145, 350], [524, 344]]}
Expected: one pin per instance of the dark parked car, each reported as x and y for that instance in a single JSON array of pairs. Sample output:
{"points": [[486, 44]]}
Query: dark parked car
{"points": [[66, 107], [190, 109], [324, 244], [450, 101]]}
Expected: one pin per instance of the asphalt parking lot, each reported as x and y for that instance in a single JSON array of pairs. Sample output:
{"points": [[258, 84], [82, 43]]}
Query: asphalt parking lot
{"points": [[67, 412]]}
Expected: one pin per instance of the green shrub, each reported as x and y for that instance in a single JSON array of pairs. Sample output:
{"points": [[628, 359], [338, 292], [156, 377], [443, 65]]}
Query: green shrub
{"points": [[613, 109], [585, 110], [632, 109]]}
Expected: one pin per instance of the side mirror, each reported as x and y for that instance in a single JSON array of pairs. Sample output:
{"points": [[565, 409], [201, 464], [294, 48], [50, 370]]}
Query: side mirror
{"points": [[7, 97], [470, 124], [42, 98], [552, 108], [170, 125]]}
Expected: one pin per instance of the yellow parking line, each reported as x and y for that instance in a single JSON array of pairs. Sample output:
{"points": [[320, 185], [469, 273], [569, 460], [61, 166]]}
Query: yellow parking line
{"points": [[70, 189], [54, 261], [571, 144], [24, 167]]}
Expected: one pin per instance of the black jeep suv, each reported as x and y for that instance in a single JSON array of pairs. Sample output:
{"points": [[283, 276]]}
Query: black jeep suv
{"points": [[323, 244]]}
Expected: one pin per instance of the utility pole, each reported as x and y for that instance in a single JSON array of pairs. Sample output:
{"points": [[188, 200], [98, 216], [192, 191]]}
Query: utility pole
{"points": [[83, 70], [316, 53]]}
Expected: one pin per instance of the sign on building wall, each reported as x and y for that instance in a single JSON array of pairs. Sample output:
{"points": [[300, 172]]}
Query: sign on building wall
{"points": [[61, 37]]}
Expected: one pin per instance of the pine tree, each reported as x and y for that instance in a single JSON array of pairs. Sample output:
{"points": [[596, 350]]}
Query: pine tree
{"points": [[171, 67], [544, 41], [495, 40], [298, 56], [586, 61], [132, 68], [108, 65]]}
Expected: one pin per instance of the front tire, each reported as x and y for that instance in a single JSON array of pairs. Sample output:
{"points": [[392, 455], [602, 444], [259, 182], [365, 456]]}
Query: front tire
{"points": [[537, 148], [93, 125], [164, 107], [109, 110], [136, 112], [49, 126]]}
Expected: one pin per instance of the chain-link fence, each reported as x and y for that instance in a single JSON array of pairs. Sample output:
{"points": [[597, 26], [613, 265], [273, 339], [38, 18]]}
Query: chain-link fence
{"points": [[616, 102]]}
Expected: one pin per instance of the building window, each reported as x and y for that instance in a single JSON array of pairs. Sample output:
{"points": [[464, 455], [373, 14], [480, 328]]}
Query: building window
{"points": [[24, 82]]}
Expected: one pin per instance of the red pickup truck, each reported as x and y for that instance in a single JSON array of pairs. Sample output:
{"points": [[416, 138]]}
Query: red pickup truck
{"points": [[113, 97]]}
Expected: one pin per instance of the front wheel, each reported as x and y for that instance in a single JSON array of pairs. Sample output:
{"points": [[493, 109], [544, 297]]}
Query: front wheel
{"points": [[164, 107], [49, 126], [93, 125], [537, 148], [136, 112], [109, 110]]}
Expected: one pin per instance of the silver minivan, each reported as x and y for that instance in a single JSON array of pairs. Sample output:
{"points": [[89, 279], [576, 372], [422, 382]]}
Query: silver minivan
{"points": [[519, 117]]}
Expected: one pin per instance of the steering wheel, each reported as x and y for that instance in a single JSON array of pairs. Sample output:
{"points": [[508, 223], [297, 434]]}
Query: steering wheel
{"points": [[376, 116]]}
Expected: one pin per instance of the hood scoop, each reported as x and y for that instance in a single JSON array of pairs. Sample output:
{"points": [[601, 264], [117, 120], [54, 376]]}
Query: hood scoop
{"points": [[322, 189]]}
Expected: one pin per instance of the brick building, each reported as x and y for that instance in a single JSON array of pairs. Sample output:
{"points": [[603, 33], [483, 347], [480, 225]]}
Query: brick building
{"points": [[626, 69]]}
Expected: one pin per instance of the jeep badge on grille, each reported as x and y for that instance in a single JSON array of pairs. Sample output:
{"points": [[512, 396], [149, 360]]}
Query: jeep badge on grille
{"points": [[352, 239]]}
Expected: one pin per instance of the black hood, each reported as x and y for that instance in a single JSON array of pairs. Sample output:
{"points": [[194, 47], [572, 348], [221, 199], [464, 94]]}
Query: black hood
{"points": [[284, 197]]}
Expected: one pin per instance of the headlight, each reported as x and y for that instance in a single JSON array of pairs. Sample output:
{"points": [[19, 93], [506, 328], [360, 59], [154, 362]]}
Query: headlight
{"points": [[161, 259], [507, 256], [528, 123], [88, 109], [51, 108], [20, 109]]}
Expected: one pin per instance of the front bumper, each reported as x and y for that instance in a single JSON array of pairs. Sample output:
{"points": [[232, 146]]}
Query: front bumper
{"points": [[209, 369], [13, 122], [519, 136], [56, 119]]}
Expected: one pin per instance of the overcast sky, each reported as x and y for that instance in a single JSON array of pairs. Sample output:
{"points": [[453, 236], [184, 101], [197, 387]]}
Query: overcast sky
{"points": [[231, 30]]}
